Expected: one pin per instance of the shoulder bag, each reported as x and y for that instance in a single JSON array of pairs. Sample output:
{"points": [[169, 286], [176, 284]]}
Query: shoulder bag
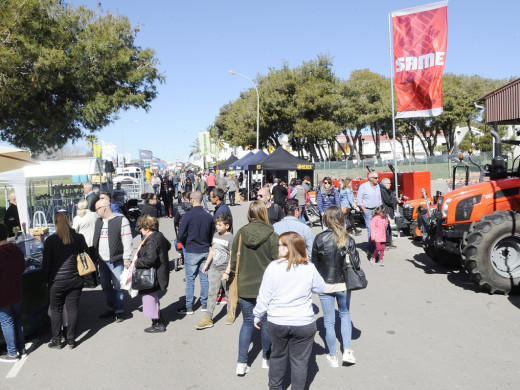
{"points": [[354, 275], [233, 287], [144, 278], [85, 264]]}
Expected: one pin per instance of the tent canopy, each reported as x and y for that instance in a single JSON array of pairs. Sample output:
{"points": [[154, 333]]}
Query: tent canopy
{"points": [[240, 161], [225, 164], [69, 167], [252, 164], [12, 158], [244, 163], [281, 159]]}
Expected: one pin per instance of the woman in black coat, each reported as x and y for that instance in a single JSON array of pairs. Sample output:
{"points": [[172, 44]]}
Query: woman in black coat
{"points": [[153, 253], [328, 255], [60, 271]]}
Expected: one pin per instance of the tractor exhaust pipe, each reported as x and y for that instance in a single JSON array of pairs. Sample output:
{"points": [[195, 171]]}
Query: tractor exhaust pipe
{"points": [[498, 164]]}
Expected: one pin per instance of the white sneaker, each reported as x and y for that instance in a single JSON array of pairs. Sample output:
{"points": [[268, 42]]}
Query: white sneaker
{"points": [[242, 369], [333, 360], [348, 356], [265, 364]]}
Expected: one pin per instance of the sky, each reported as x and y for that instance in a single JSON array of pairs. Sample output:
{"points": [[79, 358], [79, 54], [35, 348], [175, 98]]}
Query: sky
{"points": [[197, 42]]}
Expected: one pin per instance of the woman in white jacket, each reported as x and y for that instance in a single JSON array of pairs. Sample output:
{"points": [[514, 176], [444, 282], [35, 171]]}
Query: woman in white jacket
{"points": [[286, 296], [83, 224]]}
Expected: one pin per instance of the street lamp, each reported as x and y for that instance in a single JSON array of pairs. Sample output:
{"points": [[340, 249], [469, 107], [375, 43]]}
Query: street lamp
{"points": [[123, 139], [257, 107]]}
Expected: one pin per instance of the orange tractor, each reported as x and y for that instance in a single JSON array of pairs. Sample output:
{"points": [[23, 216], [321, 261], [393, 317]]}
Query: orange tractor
{"points": [[478, 226]]}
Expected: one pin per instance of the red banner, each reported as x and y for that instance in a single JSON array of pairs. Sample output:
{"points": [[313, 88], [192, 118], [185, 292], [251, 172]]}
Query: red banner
{"points": [[420, 44]]}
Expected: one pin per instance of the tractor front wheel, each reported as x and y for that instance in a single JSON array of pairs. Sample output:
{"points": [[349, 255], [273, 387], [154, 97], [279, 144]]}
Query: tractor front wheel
{"points": [[491, 252]]}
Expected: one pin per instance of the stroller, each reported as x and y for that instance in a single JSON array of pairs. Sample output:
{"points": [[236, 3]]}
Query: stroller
{"points": [[133, 213]]}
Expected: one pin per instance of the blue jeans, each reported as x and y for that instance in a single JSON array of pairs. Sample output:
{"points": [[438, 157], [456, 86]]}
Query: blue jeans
{"points": [[329, 319], [109, 274], [12, 327], [302, 215], [205, 201], [368, 220], [246, 308], [193, 263]]}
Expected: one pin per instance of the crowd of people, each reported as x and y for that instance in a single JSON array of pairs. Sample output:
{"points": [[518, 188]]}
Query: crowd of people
{"points": [[276, 260]]}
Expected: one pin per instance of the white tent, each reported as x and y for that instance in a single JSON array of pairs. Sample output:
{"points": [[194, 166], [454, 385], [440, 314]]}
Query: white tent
{"points": [[16, 178], [68, 167]]}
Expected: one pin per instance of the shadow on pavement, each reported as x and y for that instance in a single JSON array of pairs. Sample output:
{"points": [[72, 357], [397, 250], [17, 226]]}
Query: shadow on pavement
{"points": [[457, 276]]}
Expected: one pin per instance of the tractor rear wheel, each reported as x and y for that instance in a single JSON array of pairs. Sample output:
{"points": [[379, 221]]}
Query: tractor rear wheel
{"points": [[492, 252]]}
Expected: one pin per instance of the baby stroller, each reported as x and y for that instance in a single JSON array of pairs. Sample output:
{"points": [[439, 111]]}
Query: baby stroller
{"points": [[133, 214], [180, 260]]}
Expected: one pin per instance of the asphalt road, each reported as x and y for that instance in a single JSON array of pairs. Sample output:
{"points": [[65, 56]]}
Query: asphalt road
{"points": [[416, 326]]}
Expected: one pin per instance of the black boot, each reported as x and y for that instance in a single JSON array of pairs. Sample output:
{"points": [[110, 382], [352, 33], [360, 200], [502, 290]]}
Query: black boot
{"points": [[157, 327]]}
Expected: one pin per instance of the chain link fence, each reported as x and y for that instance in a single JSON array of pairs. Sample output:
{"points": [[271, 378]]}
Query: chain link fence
{"points": [[440, 167]]}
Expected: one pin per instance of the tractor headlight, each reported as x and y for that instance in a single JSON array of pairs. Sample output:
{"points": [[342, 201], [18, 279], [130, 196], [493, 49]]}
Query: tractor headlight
{"points": [[445, 205], [465, 208], [406, 206]]}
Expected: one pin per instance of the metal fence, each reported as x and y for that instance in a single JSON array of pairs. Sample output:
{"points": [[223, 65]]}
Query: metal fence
{"points": [[441, 167]]}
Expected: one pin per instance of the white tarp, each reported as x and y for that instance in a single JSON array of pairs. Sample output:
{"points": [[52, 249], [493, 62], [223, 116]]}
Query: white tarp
{"points": [[68, 167], [17, 180]]}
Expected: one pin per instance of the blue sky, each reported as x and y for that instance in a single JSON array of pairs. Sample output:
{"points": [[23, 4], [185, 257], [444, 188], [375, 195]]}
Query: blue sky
{"points": [[197, 42]]}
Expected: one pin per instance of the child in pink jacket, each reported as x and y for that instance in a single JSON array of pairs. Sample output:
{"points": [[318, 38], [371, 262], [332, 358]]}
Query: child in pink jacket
{"points": [[378, 233]]}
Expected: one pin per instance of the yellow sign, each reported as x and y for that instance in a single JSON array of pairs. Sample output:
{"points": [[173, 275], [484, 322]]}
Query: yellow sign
{"points": [[304, 166], [96, 150], [259, 167]]}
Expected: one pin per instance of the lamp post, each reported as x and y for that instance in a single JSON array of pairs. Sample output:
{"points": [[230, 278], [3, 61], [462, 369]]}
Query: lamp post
{"points": [[257, 107], [123, 139]]}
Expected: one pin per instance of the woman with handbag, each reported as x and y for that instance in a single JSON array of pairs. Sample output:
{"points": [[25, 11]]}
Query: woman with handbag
{"points": [[346, 197], [258, 247], [286, 296], [83, 223], [152, 264], [328, 254], [60, 270]]}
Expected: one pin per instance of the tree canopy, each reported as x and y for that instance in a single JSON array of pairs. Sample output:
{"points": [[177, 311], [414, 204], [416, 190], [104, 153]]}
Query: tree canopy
{"points": [[66, 72], [311, 106]]}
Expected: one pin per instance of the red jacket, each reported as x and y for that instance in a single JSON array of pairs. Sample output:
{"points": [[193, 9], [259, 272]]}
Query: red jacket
{"points": [[12, 266]]}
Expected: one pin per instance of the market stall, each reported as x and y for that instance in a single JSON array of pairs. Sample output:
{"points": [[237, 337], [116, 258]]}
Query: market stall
{"points": [[35, 293], [60, 196], [283, 165]]}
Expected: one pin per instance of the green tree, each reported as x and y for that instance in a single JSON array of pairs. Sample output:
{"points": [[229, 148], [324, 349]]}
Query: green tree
{"points": [[66, 72]]}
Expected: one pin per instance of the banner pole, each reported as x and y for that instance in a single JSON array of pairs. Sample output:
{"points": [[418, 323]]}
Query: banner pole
{"points": [[392, 97]]}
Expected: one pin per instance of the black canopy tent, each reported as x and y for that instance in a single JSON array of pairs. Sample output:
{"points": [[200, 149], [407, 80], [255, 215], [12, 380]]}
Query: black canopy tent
{"points": [[281, 162], [225, 165]]}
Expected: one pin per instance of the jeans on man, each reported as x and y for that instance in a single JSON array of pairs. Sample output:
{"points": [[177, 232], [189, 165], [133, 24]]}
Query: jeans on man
{"points": [[109, 274], [329, 319], [12, 327], [246, 308], [205, 201], [293, 343], [231, 195], [368, 220], [215, 281], [193, 263]]}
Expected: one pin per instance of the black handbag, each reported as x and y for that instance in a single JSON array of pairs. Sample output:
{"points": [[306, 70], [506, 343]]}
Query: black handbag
{"points": [[354, 275], [144, 278]]}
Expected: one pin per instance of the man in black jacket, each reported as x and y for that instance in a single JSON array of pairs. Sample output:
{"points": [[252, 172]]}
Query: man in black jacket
{"points": [[11, 218], [195, 233], [389, 201], [90, 196]]}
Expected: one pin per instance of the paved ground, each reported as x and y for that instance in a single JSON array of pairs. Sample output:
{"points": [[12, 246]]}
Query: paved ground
{"points": [[417, 325]]}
